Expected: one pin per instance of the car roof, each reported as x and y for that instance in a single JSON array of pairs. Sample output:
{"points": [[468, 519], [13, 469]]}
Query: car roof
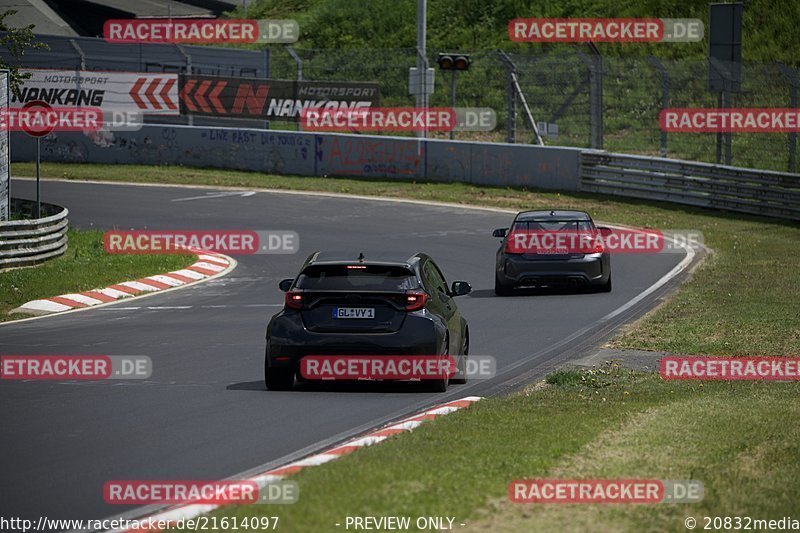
{"points": [[365, 257], [552, 215]]}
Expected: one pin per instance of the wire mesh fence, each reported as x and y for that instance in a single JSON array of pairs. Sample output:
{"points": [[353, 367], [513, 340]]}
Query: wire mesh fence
{"points": [[577, 98]]}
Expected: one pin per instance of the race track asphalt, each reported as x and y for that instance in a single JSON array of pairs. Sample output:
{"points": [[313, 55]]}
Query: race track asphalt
{"points": [[204, 413]]}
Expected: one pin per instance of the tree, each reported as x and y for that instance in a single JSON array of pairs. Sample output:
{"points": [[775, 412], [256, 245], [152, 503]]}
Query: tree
{"points": [[16, 41]]}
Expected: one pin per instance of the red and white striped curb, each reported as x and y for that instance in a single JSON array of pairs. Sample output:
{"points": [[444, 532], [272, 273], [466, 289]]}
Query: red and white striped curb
{"points": [[187, 511], [208, 264]]}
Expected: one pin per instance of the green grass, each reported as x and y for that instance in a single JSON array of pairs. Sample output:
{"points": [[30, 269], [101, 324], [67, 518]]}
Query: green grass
{"points": [[744, 300], [734, 437], [83, 267]]}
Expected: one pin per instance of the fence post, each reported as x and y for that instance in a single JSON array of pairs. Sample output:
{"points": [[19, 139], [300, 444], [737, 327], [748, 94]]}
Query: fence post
{"points": [[723, 101], [511, 101], [664, 96], [595, 66], [791, 75], [81, 55], [188, 59]]}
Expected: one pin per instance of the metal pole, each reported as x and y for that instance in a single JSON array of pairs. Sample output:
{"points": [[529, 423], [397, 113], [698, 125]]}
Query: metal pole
{"points": [[791, 75], [727, 104], [719, 133], [453, 99], [422, 63], [793, 135], [38, 165], [664, 97]]}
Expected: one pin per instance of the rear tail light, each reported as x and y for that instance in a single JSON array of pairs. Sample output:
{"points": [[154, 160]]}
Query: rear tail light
{"points": [[511, 246], [294, 299], [415, 300]]}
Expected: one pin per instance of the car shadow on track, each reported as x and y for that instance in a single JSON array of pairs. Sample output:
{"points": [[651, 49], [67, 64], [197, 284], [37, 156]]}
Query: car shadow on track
{"points": [[554, 291], [345, 387]]}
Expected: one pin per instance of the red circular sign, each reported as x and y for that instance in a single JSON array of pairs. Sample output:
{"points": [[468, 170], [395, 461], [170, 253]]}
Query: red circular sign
{"points": [[27, 127]]}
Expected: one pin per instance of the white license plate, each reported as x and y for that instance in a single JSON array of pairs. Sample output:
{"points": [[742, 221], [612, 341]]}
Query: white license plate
{"points": [[354, 312], [552, 251]]}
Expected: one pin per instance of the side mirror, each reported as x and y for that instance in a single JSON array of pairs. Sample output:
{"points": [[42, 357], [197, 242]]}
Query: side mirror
{"points": [[460, 288], [285, 284], [605, 232], [499, 232]]}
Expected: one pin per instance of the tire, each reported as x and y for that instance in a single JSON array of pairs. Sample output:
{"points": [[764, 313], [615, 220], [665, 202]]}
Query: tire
{"points": [[462, 372], [440, 385], [278, 378], [606, 287], [500, 289]]}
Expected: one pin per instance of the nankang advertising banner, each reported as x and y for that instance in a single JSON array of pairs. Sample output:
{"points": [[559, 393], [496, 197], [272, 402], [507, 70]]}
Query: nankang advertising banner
{"points": [[271, 99], [149, 94]]}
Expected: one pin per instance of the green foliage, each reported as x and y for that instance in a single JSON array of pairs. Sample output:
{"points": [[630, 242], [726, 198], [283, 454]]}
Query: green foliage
{"points": [[769, 26], [16, 41]]}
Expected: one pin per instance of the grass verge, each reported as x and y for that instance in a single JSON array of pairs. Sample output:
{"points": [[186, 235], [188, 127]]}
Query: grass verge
{"points": [[83, 267], [607, 423], [744, 300]]}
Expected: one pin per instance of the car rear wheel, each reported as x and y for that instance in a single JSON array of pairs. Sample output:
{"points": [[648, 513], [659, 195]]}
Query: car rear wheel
{"points": [[279, 379], [500, 289], [440, 385], [605, 287], [461, 373]]}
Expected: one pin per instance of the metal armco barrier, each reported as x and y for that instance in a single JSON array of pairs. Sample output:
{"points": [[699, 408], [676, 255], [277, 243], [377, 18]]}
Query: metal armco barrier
{"points": [[31, 241], [743, 190]]}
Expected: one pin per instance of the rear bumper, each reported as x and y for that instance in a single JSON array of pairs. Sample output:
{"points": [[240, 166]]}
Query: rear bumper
{"points": [[517, 271], [288, 341]]}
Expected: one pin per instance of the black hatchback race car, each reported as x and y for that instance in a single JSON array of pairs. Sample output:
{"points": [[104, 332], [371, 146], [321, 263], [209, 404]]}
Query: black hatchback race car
{"points": [[546, 249], [349, 304]]}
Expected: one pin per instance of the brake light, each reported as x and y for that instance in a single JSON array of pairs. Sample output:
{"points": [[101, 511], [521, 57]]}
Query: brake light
{"points": [[415, 300], [294, 299], [512, 246]]}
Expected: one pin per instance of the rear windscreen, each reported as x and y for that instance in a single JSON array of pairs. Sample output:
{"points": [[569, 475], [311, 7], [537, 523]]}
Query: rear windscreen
{"points": [[357, 277], [554, 225]]}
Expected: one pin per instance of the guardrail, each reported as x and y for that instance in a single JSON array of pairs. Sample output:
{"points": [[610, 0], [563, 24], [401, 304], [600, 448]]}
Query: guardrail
{"points": [[743, 190], [31, 241]]}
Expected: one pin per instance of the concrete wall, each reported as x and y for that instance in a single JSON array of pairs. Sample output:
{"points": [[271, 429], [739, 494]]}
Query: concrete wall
{"points": [[315, 154]]}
